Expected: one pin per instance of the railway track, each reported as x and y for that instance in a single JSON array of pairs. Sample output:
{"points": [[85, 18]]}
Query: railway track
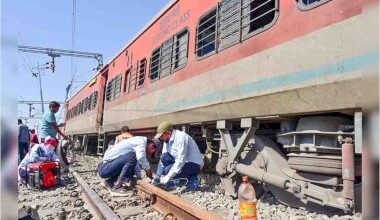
{"points": [[145, 202]]}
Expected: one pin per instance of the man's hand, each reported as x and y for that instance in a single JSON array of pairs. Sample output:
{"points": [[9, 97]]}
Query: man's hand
{"points": [[155, 181], [149, 173], [165, 179]]}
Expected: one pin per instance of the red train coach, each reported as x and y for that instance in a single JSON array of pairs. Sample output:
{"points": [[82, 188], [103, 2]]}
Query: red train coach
{"points": [[272, 85]]}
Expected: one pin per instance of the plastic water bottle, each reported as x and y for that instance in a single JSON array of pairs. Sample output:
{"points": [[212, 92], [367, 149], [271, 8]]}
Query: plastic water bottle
{"points": [[247, 200]]}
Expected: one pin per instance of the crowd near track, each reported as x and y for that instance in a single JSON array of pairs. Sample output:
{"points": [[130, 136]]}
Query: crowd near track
{"points": [[82, 195]]}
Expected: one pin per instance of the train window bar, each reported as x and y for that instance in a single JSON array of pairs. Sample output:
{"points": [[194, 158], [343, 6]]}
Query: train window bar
{"points": [[95, 99], [180, 50], [305, 5], [117, 88], [108, 90], [233, 21], [142, 71], [205, 42], [132, 80], [166, 58], [85, 104], [258, 16], [154, 64], [229, 14]]}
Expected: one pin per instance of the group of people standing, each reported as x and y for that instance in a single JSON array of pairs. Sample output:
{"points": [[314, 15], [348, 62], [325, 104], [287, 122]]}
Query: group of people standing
{"points": [[180, 161]]}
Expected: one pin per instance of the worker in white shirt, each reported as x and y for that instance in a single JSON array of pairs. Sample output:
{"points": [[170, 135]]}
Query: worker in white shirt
{"points": [[180, 158], [119, 162]]}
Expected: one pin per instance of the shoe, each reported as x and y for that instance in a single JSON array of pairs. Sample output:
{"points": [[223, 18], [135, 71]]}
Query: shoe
{"points": [[173, 183], [109, 183], [119, 190], [132, 183], [193, 183]]}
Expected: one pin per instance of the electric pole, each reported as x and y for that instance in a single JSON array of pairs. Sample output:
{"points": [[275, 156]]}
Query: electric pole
{"points": [[38, 74]]}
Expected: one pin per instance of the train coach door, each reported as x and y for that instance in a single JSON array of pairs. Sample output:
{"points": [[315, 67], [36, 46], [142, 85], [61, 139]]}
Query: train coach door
{"points": [[102, 92]]}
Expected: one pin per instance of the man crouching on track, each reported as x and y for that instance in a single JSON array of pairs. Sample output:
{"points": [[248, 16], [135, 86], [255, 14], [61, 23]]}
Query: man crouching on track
{"points": [[119, 162], [181, 160]]}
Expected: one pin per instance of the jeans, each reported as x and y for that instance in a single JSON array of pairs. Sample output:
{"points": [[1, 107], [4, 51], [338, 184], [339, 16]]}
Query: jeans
{"points": [[122, 167], [188, 170], [22, 174], [22, 150]]}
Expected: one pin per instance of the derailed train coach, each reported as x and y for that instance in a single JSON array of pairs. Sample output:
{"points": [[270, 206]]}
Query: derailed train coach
{"points": [[272, 86]]}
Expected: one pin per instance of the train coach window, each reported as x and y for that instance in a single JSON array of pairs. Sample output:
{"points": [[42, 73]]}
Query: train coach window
{"points": [[180, 48], [155, 64], [109, 90], [117, 86], [166, 57], [142, 71], [94, 99], [228, 23], [90, 101], [132, 79], [258, 16], [113, 88], [304, 5], [206, 34], [85, 105], [81, 107]]}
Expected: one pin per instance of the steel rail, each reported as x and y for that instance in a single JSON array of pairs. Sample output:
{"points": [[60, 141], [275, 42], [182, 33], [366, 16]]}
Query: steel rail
{"points": [[171, 205], [102, 210]]}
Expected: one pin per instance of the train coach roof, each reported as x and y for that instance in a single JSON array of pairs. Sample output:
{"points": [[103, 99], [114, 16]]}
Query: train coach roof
{"points": [[85, 85], [150, 23]]}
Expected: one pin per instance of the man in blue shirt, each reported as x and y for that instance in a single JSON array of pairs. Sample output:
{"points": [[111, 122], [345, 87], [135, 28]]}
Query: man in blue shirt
{"points": [[180, 158], [119, 163], [23, 140], [49, 125]]}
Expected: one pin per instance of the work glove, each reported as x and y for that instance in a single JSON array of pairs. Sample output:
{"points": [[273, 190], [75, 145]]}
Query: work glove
{"points": [[165, 179]]}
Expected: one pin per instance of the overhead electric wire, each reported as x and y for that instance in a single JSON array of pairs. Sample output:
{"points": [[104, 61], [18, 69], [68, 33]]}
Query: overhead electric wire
{"points": [[30, 60], [73, 70]]}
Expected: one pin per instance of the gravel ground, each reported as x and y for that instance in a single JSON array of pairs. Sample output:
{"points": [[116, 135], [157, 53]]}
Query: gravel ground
{"points": [[48, 203]]}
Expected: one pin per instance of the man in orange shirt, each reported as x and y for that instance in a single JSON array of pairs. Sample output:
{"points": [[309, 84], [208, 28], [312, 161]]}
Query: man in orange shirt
{"points": [[124, 134]]}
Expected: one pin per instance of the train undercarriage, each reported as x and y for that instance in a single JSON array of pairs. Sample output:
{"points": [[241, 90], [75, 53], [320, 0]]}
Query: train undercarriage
{"points": [[310, 161]]}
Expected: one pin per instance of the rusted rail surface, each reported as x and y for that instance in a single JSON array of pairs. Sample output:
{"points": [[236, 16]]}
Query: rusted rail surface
{"points": [[102, 210], [171, 205]]}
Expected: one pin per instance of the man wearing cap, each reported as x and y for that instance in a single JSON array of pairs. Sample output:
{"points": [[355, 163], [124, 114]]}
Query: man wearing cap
{"points": [[39, 152], [180, 158], [119, 162]]}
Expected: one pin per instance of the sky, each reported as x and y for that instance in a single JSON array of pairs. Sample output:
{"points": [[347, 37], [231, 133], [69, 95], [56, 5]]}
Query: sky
{"points": [[100, 27]]}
